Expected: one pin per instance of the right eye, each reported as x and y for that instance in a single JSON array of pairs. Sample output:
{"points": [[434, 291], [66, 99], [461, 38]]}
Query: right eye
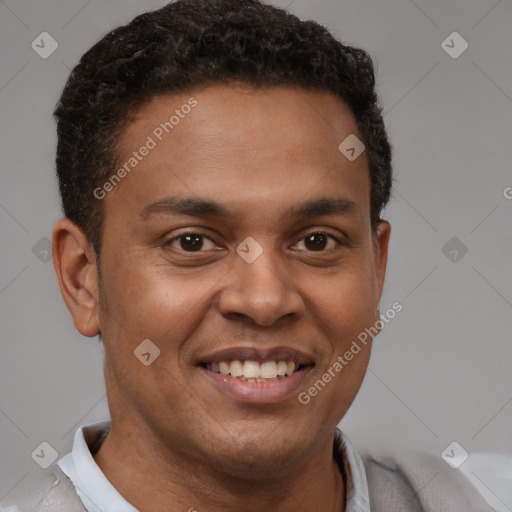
{"points": [[188, 242]]}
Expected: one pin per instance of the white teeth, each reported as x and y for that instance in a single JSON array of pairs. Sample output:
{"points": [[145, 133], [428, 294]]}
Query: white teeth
{"points": [[269, 370], [252, 371], [237, 369], [282, 367]]}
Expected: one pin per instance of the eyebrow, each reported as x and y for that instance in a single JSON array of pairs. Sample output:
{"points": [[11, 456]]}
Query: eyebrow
{"points": [[203, 208], [191, 206], [324, 206]]}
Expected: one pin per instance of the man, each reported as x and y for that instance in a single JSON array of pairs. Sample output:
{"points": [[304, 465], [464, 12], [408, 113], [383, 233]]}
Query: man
{"points": [[223, 167]]}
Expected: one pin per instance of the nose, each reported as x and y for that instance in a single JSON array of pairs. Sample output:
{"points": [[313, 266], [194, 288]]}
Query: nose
{"points": [[261, 291]]}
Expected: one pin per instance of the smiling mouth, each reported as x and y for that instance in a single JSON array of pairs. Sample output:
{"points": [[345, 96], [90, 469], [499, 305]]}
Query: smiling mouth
{"points": [[254, 371]]}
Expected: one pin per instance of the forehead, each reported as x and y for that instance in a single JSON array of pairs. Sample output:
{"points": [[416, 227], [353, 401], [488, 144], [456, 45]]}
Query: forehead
{"points": [[242, 113], [241, 146]]}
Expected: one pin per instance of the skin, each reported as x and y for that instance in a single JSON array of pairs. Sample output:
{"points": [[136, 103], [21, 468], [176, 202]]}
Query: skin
{"points": [[176, 440]]}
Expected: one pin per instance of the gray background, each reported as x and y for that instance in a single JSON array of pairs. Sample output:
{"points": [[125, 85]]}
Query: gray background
{"points": [[440, 371]]}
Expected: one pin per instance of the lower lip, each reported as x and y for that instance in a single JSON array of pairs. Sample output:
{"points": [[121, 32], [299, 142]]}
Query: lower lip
{"points": [[258, 392]]}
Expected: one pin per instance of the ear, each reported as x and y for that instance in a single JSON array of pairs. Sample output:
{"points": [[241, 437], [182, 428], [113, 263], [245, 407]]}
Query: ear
{"points": [[74, 260], [381, 243]]}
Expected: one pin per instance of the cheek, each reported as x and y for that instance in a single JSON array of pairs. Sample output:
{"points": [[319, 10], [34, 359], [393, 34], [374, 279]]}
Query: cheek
{"points": [[151, 301], [345, 305], [345, 313], [346, 316]]}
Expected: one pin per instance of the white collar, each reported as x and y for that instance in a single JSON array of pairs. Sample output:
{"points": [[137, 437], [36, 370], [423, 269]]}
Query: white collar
{"points": [[356, 485], [92, 486], [99, 495]]}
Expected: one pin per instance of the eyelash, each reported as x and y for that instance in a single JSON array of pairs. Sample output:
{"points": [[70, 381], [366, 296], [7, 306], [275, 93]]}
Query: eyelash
{"points": [[176, 238]]}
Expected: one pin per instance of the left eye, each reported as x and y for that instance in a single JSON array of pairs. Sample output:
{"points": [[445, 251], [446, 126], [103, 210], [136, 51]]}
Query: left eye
{"points": [[318, 240]]}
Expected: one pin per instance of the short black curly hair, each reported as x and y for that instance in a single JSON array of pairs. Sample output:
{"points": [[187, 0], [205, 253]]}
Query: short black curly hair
{"points": [[195, 43]]}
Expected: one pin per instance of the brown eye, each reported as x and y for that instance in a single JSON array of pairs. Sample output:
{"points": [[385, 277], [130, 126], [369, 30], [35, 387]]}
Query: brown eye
{"points": [[316, 241], [188, 242], [191, 242]]}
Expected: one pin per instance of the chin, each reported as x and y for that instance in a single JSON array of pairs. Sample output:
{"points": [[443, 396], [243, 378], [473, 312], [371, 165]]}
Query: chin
{"points": [[251, 449]]}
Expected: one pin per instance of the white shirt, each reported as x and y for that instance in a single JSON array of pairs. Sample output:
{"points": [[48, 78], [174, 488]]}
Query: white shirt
{"points": [[99, 495]]}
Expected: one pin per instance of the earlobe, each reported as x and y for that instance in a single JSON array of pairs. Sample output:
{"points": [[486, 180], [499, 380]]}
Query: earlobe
{"points": [[74, 260]]}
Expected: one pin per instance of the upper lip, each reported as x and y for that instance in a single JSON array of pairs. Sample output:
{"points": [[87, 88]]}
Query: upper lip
{"points": [[256, 354]]}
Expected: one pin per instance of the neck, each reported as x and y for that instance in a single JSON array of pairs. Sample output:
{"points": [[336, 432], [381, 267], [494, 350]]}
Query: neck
{"points": [[165, 481]]}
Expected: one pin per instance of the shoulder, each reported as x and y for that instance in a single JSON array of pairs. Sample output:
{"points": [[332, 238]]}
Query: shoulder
{"points": [[417, 482], [55, 493]]}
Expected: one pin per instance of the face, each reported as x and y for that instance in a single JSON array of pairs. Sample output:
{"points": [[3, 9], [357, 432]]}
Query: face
{"points": [[240, 244]]}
